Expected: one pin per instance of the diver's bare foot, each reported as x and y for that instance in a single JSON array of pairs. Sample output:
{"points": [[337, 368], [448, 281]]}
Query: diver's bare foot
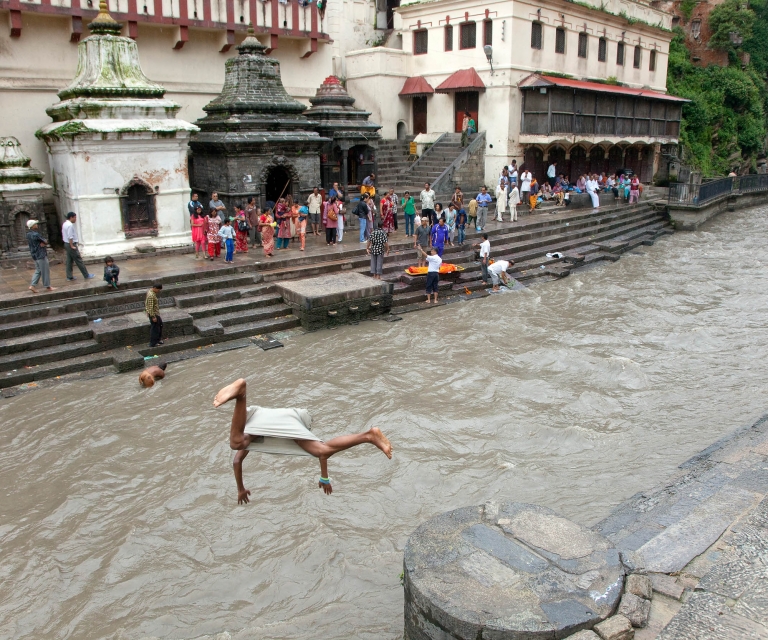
{"points": [[380, 440], [233, 390]]}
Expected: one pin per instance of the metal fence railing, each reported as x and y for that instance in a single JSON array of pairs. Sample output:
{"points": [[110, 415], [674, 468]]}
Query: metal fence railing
{"points": [[698, 194]]}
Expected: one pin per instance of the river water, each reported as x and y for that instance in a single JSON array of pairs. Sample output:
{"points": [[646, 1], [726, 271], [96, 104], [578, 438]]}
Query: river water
{"points": [[118, 513]]}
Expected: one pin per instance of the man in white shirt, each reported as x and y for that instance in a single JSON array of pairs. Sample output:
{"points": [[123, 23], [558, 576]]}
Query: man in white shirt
{"points": [[593, 190], [428, 203], [433, 271], [498, 271], [485, 256], [525, 186], [69, 235], [552, 174], [314, 203]]}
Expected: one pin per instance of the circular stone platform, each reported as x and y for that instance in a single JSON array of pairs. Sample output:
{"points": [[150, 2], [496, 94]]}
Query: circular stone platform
{"points": [[507, 571]]}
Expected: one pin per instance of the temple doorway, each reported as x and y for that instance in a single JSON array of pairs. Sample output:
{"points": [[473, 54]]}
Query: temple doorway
{"points": [[278, 184]]}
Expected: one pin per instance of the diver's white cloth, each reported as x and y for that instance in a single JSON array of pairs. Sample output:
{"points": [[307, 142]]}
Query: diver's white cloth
{"points": [[279, 428]]}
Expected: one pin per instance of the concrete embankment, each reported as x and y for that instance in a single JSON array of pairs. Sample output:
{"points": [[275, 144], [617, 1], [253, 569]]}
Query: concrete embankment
{"points": [[684, 561]]}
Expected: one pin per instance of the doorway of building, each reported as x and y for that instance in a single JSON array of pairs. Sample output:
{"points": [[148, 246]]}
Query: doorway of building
{"points": [[278, 184], [402, 130], [419, 115], [466, 101], [139, 208]]}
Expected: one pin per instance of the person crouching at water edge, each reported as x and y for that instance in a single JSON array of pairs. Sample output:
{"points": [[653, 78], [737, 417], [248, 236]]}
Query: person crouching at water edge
{"points": [[284, 431]]}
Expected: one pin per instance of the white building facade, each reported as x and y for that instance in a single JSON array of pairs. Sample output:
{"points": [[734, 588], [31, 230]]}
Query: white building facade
{"points": [[556, 56]]}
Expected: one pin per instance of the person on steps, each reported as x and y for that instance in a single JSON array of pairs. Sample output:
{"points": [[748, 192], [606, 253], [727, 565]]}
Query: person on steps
{"points": [[39, 252], [284, 431], [152, 309]]}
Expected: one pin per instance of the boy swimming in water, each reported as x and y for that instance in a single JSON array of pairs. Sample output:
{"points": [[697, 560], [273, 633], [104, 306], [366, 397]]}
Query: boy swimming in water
{"points": [[284, 431]]}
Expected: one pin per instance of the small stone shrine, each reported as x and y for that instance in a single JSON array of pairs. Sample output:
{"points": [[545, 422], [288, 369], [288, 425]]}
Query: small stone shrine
{"points": [[22, 191], [255, 140], [118, 153], [350, 155]]}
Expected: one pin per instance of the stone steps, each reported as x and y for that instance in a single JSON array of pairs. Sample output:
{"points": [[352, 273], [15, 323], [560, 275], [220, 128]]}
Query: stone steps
{"points": [[57, 368], [42, 339], [48, 354], [246, 316], [233, 305], [15, 324]]}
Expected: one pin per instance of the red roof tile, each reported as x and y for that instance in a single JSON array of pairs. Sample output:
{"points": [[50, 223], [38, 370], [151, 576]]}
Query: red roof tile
{"points": [[416, 86], [463, 80], [536, 80]]}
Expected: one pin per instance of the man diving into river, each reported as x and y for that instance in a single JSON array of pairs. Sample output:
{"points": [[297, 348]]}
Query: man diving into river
{"points": [[284, 431]]}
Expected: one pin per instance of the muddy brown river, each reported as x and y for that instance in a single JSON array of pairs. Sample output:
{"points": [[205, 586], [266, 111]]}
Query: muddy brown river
{"points": [[118, 511]]}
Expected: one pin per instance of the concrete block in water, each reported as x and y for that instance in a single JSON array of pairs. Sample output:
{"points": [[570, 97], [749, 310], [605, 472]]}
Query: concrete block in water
{"points": [[507, 571], [635, 609], [615, 628], [335, 299]]}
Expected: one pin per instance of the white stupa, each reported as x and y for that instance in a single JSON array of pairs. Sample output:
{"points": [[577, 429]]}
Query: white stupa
{"points": [[118, 153]]}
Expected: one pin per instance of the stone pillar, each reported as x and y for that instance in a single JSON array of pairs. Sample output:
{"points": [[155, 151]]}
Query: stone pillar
{"points": [[510, 571]]}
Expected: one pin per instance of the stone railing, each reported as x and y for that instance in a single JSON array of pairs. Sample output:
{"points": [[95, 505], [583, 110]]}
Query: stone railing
{"points": [[445, 182]]}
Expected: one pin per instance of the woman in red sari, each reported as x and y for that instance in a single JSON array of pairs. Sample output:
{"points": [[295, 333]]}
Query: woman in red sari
{"points": [[387, 215], [267, 233], [283, 216], [241, 231]]}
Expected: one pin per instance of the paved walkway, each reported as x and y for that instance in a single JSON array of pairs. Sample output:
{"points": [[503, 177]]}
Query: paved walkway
{"points": [[15, 280], [702, 537]]}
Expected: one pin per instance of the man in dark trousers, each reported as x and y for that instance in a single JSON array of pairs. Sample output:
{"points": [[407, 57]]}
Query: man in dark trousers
{"points": [[152, 307], [361, 211]]}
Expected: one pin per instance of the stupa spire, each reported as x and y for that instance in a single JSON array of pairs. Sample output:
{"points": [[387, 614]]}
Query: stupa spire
{"points": [[104, 23]]}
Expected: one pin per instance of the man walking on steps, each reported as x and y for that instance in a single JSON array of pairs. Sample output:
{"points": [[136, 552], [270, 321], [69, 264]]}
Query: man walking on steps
{"points": [[152, 307], [37, 249], [69, 235]]}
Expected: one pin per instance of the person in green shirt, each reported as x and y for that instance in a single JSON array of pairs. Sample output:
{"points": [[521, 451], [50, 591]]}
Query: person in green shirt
{"points": [[409, 209]]}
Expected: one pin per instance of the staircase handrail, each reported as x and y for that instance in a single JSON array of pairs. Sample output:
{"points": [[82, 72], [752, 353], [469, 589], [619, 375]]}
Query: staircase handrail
{"points": [[445, 179], [426, 153]]}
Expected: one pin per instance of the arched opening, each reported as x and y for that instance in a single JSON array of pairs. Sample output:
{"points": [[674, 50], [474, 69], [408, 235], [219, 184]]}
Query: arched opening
{"points": [[20, 228], [615, 159], [597, 160], [138, 201], [557, 154], [579, 165], [360, 163], [402, 130], [278, 184], [534, 162], [632, 160]]}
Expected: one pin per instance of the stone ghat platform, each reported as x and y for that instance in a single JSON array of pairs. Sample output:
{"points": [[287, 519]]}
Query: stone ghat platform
{"points": [[89, 327], [687, 560], [330, 300]]}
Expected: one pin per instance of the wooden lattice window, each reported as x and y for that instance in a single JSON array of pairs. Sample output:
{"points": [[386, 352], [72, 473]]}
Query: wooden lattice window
{"points": [[420, 40], [652, 61], [583, 42], [536, 35], [602, 50], [620, 54], [638, 57], [560, 40], [449, 38], [487, 32], [468, 35]]}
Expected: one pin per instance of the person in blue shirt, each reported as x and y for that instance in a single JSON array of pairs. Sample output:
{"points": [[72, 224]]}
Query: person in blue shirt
{"points": [[461, 226], [483, 200], [440, 236]]}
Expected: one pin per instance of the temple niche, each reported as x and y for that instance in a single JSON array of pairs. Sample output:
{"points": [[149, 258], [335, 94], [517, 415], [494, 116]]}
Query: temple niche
{"points": [[350, 153], [22, 192], [118, 154], [255, 140]]}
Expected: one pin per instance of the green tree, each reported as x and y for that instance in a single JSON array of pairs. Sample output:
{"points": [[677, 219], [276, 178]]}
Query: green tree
{"points": [[732, 16]]}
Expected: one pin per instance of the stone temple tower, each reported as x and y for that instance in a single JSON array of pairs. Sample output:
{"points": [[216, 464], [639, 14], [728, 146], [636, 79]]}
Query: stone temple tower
{"points": [[118, 153], [255, 140]]}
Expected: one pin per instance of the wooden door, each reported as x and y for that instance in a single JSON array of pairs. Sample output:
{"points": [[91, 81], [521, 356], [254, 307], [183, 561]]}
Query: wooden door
{"points": [[419, 115], [466, 101]]}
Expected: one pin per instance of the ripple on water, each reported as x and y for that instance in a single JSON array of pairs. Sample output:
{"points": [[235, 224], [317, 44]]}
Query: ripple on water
{"points": [[118, 506]]}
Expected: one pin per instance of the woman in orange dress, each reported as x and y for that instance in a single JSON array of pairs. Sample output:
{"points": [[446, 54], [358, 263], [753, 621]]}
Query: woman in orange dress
{"points": [[267, 233]]}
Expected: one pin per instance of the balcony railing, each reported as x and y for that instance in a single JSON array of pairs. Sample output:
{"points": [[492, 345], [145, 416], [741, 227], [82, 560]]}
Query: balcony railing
{"points": [[698, 194]]}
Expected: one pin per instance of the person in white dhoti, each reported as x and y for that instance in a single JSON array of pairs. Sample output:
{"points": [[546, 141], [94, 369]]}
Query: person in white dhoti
{"points": [[284, 431]]}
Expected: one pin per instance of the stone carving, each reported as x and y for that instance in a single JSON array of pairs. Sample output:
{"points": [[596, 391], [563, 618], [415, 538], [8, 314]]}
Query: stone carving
{"points": [[22, 191]]}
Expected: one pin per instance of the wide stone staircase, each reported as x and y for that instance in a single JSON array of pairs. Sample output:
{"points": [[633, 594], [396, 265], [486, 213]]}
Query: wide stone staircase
{"points": [[394, 170], [76, 330]]}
